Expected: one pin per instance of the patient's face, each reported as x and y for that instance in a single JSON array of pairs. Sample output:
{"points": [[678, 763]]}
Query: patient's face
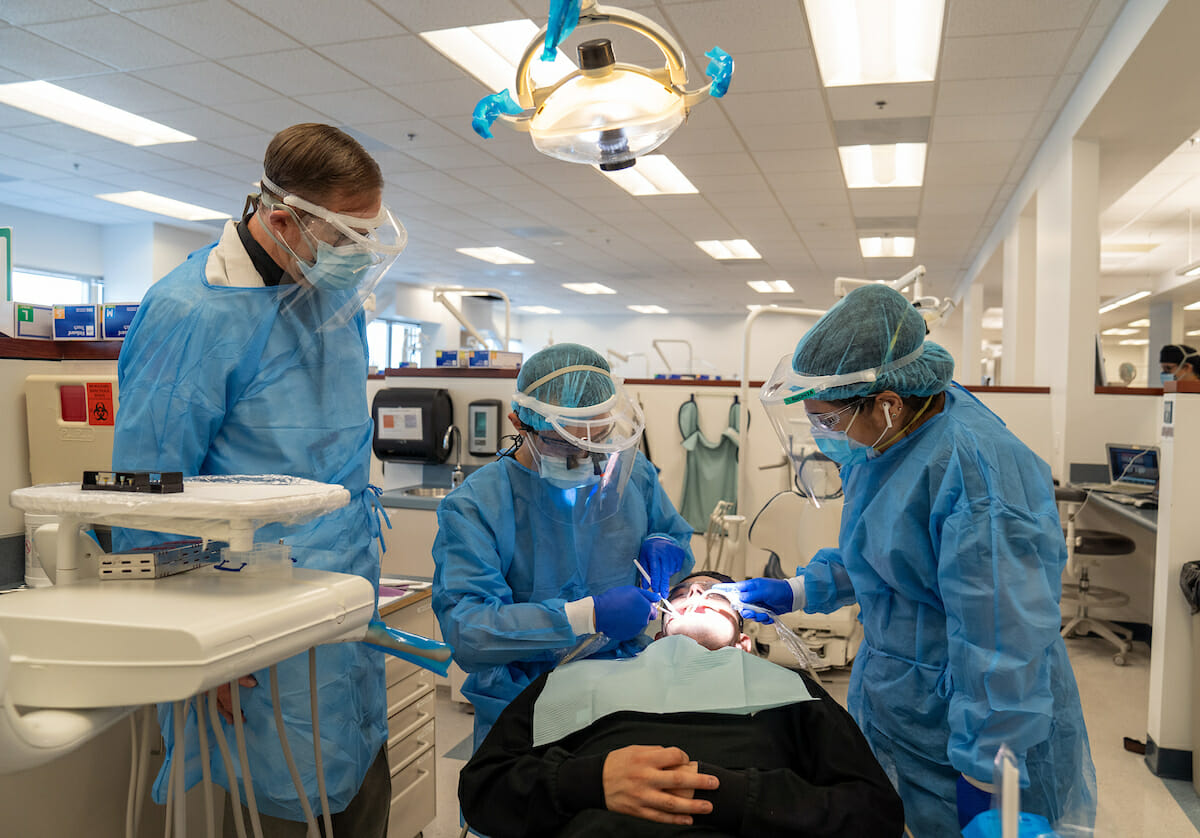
{"points": [[708, 618]]}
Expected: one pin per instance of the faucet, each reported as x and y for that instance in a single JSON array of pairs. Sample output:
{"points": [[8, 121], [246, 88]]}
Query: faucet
{"points": [[453, 434]]}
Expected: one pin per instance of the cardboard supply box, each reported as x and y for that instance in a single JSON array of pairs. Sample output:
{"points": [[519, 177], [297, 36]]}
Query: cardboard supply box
{"points": [[452, 358], [494, 359], [116, 320], [77, 322], [25, 320]]}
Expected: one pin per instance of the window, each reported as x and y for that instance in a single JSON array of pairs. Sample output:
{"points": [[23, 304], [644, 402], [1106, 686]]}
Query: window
{"points": [[393, 343], [45, 288]]}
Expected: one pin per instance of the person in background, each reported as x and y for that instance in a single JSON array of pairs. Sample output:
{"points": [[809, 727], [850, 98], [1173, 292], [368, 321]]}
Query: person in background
{"points": [[1169, 359], [535, 552], [695, 732], [250, 358], [1189, 368], [950, 543]]}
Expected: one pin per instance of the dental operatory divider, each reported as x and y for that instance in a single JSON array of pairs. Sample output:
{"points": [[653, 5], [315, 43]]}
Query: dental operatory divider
{"points": [[81, 655]]}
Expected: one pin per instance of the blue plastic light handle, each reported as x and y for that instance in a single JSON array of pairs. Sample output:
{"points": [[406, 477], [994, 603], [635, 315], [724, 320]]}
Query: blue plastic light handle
{"points": [[488, 110], [720, 70], [564, 15]]}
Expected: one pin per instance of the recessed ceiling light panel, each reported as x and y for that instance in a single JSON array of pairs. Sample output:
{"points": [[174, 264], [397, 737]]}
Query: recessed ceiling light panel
{"points": [[875, 41], [150, 202], [79, 111], [495, 255], [729, 249], [588, 288]]}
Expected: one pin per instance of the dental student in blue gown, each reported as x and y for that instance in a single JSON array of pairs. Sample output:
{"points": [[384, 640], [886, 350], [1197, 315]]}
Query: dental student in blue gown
{"points": [[250, 358], [535, 552], [951, 544]]}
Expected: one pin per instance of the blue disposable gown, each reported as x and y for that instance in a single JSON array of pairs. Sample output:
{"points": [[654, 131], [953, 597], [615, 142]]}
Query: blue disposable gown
{"points": [[951, 544], [242, 380], [505, 570]]}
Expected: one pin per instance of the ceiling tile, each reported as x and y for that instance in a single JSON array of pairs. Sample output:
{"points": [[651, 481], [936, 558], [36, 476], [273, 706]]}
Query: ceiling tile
{"points": [[294, 72], [780, 107], [992, 96], [315, 22], [455, 98], [981, 127], [116, 41], [24, 13], [885, 201], [393, 62], [214, 29], [422, 17], [987, 17], [1005, 56], [725, 23], [272, 115], [354, 107], [37, 58], [970, 163], [900, 101], [207, 83], [786, 69]]}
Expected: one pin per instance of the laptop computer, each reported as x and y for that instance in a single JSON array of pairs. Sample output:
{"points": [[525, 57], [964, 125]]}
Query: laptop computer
{"points": [[1132, 470]]}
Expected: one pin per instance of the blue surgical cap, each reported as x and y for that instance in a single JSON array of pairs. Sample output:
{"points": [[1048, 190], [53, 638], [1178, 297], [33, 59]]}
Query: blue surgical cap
{"points": [[576, 388], [870, 327]]}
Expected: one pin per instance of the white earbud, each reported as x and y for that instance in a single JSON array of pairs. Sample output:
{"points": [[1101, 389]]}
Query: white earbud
{"points": [[887, 416]]}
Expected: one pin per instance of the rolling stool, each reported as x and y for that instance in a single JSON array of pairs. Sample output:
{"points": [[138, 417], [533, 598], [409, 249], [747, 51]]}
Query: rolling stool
{"points": [[1084, 550]]}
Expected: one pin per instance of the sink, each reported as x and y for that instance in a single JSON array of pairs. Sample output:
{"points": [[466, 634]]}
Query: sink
{"points": [[426, 491]]}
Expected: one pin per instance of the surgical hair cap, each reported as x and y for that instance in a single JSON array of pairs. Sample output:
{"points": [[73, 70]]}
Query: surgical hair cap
{"points": [[871, 326], [1174, 353], [1192, 361], [577, 388]]}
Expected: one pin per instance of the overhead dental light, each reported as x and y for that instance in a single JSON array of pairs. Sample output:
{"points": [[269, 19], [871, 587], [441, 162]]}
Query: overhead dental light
{"points": [[605, 113]]}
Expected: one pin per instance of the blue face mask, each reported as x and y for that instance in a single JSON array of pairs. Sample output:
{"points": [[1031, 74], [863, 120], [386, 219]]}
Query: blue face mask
{"points": [[559, 474], [1164, 377], [842, 449], [337, 268]]}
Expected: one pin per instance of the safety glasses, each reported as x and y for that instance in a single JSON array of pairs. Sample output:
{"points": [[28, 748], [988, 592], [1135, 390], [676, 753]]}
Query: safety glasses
{"points": [[829, 421], [382, 233]]}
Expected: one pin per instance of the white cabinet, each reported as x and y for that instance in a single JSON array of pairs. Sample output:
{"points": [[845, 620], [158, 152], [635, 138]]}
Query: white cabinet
{"points": [[412, 702]]}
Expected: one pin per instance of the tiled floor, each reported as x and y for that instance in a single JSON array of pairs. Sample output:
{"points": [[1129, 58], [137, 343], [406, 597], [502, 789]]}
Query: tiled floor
{"points": [[1133, 802]]}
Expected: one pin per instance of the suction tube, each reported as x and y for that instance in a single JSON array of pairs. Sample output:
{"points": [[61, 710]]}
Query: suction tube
{"points": [[424, 652]]}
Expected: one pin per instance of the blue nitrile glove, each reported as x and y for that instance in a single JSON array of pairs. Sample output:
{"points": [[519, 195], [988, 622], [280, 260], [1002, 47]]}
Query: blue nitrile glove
{"points": [[971, 801], [663, 558], [773, 594], [623, 612], [1029, 825]]}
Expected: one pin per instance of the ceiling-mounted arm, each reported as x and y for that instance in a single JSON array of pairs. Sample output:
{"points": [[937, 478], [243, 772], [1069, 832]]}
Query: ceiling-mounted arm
{"points": [[661, 354], [439, 296]]}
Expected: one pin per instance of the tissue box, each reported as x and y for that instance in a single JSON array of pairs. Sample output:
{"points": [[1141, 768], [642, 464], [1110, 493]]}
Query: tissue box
{"points": [[25, 320], [495, 359], [116, 320], [452, 358], [76, 322]]}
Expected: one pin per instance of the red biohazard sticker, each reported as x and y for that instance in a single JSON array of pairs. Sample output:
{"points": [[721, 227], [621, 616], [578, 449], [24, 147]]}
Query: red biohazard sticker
{"points": [[100, 403]]}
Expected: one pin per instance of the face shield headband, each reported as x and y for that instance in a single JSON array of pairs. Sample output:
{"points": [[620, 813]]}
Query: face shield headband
{"points": [[788, 386], [610, 427]]}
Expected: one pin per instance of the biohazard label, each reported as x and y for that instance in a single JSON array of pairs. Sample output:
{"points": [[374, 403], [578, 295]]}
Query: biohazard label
{"points": [[100, 403]]}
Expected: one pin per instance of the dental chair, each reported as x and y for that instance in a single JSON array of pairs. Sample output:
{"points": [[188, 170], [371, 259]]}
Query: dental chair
{"points": [[791, 531], [1087, 549]]}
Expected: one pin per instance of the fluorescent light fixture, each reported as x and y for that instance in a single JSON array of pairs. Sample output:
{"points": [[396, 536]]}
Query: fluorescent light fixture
{"points": [[882, 247], [1192, 333], [648, 309], [883, 166], [756, 307], [538, 310], [1144, 323], [1192, 306], [654, 174], [1120, 332], [490, 52], [87, 114], [875, 41], [588, 288], [993, 318], [495, 255], [729, 249], [150, 202], [1192, 269], [771, 286], [1123, 301], [1133, 342]]}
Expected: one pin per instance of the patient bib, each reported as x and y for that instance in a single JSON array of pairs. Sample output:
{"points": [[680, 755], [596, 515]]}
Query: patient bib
{"points": [[673, 675]]}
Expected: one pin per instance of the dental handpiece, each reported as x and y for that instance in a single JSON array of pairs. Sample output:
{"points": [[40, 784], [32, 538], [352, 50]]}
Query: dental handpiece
{"points": [[663, 604]]}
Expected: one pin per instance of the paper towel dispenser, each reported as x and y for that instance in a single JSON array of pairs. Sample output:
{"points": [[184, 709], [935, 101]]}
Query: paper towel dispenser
{"points": [[410, 424]]}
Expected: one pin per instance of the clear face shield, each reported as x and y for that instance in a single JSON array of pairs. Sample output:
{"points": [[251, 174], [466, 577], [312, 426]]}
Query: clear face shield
{"points": [[339, 256], [586, 455]]}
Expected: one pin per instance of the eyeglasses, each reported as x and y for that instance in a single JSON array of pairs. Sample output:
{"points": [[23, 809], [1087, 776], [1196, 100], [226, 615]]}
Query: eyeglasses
{"points": [[828, 421]]}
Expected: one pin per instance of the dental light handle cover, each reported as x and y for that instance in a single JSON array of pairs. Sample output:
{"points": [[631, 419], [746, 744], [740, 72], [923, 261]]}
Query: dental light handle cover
{"points": [[720, 70], [488, 110], [564, 15], [423, 651]]}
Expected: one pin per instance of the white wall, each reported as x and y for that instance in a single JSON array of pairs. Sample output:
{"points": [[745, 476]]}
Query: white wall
{"points": [[53, 243]]}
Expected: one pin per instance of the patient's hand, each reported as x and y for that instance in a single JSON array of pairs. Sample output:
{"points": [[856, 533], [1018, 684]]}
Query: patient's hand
{"points": [[225, 697], [655, 783]]}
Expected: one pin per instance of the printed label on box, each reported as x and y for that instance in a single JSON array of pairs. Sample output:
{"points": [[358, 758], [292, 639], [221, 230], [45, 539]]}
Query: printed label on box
{"points": [[77, 322], [117, 317]]}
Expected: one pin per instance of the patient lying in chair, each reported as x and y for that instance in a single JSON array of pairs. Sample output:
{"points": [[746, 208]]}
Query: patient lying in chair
{"points": [[694, 736]]}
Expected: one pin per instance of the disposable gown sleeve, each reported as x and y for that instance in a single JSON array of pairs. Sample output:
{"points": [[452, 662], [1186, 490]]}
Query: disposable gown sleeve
{"points": [[662, 517], [474, 601], [997, 572], [826, 584]]}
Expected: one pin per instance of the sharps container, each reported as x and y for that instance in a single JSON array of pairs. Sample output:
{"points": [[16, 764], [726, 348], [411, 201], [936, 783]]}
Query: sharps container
{"points": [[35, 575]]}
